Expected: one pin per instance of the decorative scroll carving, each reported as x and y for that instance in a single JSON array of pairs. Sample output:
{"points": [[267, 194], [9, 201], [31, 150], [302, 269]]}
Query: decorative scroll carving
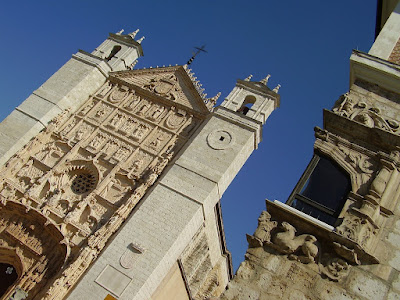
{"points": [[360, 162]]}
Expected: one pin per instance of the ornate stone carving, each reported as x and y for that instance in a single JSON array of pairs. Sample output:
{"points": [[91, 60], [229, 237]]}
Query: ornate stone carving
{"points": [[164, 86], [359, 161], [263, 231], [132, 102], [88, 178], [176, 119], [140, 132], [86, 108], [334, 268], [104, 89], [118, 94], [364, 113], [287, 242]]}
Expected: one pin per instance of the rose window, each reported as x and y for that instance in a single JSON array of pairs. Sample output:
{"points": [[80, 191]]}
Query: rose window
{"points": [[83, 183]]}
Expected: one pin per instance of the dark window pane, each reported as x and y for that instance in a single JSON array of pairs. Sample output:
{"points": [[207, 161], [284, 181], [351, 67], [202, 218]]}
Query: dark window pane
{"points": [[327, 185], [313, 211]]}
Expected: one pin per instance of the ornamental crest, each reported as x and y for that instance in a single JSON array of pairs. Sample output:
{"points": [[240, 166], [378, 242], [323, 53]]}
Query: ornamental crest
{"points": [[165, 86]]}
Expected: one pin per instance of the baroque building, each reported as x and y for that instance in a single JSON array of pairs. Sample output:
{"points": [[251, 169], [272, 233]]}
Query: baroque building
{"points": [[338, 235], [111, 179]]}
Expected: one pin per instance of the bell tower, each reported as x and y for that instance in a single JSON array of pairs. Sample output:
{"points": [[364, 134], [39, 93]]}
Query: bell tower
{"points": [[175, 237], [72, 84]]}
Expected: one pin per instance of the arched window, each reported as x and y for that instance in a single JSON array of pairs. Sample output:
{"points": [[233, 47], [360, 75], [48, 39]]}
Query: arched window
{"points": [[247, 104], [322, 190], [114, 51]]}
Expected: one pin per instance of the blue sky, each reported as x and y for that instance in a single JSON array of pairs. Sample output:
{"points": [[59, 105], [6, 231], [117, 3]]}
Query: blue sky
{"points": [[304, 45]]}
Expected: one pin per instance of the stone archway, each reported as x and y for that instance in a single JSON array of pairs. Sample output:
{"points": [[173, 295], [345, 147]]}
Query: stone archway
{"points": [[8, 276], [31, 251], [11, 269]]}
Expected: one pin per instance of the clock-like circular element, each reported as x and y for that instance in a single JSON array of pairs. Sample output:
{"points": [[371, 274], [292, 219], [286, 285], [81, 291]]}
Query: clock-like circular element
{"points": [[220, 139]]}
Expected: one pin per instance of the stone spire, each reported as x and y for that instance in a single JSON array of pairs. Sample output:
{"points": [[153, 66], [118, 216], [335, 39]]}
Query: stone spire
{"points": [[248, 78], [141, 40], [265, 80], [120, 32], [276, 89], [134, 33]]}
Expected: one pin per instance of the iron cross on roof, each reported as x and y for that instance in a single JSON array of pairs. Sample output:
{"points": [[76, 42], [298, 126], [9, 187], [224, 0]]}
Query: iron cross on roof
{"points": [[199, 49]]}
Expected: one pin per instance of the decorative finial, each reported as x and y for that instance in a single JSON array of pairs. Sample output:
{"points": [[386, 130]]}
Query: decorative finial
{"points": [[212, 101], [248, 78], [276, 89], [140, 40], [120, 32], [265, 80], [133, 34], [133, 64]]}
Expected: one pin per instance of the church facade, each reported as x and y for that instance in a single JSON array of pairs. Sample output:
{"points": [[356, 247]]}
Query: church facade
{"points": [[112, 177], [338, 235]]}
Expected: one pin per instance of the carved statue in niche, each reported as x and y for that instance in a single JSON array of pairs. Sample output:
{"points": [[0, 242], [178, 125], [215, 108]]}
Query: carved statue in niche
{"points": [[287, 242], [122, 153], [140, 131], [103, 91], [128, 126], [156, 143], [117, 120], [86, 108], [50, 152], [110, 147], [68, 128], [28, 174], [7, 193], [159, 109], [143, 107], [97, 141], [131, 104]]}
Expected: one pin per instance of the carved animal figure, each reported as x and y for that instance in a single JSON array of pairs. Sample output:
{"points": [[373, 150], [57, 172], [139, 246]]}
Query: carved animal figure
{"points": [[287, 242]]}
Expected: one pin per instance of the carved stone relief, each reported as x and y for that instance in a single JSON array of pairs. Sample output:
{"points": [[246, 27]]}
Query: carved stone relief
{"points": [[364, 113], [304, 248], [85, 173]]}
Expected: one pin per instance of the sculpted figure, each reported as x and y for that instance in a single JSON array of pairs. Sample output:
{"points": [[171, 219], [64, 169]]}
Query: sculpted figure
{"points": [[263, 231], [287, 242]]}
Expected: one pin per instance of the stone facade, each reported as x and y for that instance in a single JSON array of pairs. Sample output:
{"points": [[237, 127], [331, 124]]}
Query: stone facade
{"points": [[117, 197], [348, 249]]}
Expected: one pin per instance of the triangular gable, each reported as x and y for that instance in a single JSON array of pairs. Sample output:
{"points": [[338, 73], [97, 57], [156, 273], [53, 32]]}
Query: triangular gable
{"points": [[171, 83]]}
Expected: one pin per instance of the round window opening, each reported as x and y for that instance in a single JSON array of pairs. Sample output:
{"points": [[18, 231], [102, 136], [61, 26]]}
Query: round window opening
{"points": [[83, 183]]}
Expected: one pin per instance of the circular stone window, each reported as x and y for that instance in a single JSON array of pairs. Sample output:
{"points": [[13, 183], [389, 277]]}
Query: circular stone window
{"points": [[83, 183]]}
